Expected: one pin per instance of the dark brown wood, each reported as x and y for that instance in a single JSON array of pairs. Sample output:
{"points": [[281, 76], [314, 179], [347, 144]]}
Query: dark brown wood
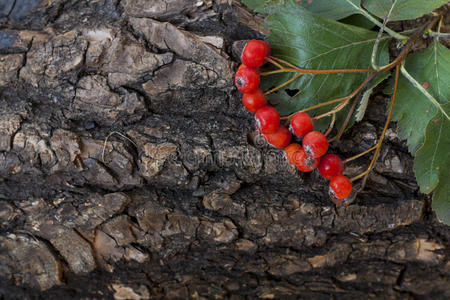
{"points": [[184, 199]]}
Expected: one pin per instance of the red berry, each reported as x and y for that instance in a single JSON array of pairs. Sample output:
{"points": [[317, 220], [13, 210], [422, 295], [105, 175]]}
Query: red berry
{"points": [[330, 166], [340, 187], [301, 124], [246, 79], [289, 152], [280, 138], [254, 53], [254, 100], [315, 144], [304, 162], [267, 119]]}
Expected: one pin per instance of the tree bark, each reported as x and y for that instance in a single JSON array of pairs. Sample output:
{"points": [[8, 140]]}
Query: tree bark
{"points": [[130, 170]]}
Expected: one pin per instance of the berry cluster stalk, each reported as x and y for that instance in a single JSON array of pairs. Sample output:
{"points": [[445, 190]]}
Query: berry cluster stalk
{"points": [[397, 63]]}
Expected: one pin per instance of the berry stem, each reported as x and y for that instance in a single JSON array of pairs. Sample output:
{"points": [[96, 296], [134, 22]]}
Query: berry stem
{"points": [[347, 119], [270, 59], [383, 134], [278, 62], [333, 111], [278, 71], [333, 119], [275, 61], [360, 154], [353, 94], [377, 41], [283, 84], [284, 62], [288, 117]]}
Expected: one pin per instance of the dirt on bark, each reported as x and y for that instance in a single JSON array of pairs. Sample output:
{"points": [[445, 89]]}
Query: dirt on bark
{"points": [[130, 170]]}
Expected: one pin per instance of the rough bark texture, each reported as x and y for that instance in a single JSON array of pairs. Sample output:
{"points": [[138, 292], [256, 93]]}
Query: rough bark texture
{"points": [[192, 204]]}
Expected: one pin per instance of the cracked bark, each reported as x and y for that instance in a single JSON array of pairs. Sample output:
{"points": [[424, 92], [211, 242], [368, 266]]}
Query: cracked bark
{"points": [[185, 200]]}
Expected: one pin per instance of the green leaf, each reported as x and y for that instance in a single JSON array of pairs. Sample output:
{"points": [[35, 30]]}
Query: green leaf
{"points": [[413, 111], [330, 9], [334, 9], [425, 126], [404, 9], [312, 42], [432, 164], [358, 20]]}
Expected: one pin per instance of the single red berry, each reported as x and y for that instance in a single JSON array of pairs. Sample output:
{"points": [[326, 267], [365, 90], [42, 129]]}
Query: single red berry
{"points": [[315, 144], [280, 138], [254, 53], [289, 152], [330, 166], [246, 79], [254, 100], [340, 187], [267, 119], [304, 162], [301, 124]]}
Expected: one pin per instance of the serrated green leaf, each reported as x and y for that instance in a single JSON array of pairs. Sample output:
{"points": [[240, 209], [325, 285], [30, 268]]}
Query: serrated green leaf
{"points": [[331, 9], [312, 42], [413, 111], [404, 9], [432, 164], [426, 128]]}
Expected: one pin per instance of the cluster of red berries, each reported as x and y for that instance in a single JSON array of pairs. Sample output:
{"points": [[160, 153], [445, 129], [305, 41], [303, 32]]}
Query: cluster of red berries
{"points": [[315, 144]]}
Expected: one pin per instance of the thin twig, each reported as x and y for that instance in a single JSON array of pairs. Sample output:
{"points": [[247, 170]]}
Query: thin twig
{"points": [[383, 134], [439, 28], [389, 31], [278, 71], [412, 40], [270, 59], [314, 71], [444, 35], [106, 140], [360, 154], [377, 41], [283, 84], [283, 61], [353, 94], [333, 119], [347, 119], [314, 107], [333, 111]]}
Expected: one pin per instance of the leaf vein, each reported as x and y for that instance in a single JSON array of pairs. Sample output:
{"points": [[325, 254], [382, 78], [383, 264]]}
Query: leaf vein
{"points": [[437, 72], [436, 148], [339, 48]]}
